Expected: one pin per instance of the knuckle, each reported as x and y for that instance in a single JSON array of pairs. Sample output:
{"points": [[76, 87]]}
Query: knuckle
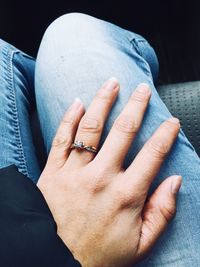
{"points": [[126, 195], [168, 212], [98, 180], [103, 95], [117, 196], [158, 148], [139, 97], [128, 199], [60, 140], [68, 122], [125, 198], [127, 124], [89, 124], [97, 184]]}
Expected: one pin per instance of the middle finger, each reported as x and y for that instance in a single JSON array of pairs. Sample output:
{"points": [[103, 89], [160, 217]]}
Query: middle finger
{"points": [[125, 128]]}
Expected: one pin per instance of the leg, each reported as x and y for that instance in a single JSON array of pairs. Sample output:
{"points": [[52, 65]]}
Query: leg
{"points": [[78, 53], [16, 103]]}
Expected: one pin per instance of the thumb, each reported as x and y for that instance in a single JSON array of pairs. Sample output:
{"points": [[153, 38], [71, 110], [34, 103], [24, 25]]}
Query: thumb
{"points": [[157, 212]]}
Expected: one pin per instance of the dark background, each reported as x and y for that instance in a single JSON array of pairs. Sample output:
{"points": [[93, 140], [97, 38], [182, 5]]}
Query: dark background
{"points": [[172, 27]]}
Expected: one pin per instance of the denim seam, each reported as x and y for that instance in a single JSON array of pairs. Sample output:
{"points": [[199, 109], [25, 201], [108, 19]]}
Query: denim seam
{"points": [[134, 42], [145, 65], [8, 54]]}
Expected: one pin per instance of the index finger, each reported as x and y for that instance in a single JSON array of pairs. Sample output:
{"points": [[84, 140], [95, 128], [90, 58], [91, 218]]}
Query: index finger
{"points": [[148, 161]]}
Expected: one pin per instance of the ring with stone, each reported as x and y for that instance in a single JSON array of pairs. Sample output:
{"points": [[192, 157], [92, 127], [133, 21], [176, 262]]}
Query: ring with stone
{"points": [[80, 145]]}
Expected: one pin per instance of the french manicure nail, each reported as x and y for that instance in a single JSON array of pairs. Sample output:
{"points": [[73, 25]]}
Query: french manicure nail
{"points": [[111, 84], [174, 120], [143, 88], [176, 184]]}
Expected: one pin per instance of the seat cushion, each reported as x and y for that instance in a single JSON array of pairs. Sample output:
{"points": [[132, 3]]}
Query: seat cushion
{"points": [[183, 101]]}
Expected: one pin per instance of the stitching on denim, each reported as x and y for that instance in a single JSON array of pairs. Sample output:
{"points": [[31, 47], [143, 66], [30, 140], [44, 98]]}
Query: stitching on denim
{"points": [[145, 65], [135, 46], [8, 54]]}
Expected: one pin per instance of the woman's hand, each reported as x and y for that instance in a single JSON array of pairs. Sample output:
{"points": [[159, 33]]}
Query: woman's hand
{"points": [[100, 209]]}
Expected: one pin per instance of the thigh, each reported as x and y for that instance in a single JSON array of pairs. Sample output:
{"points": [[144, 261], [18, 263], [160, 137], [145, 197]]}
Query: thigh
{"points": [[77, 54], [16, 104]]}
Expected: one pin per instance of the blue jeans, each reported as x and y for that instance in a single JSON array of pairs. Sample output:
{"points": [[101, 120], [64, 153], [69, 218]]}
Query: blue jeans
{"points": [[77, 54]]}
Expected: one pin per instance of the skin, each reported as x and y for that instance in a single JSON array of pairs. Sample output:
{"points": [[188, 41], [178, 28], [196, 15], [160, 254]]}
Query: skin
{"points": [[101, 210]]}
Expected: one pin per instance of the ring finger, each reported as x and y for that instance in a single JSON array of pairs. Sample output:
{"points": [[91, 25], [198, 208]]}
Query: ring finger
{"points": [[91, 125]]}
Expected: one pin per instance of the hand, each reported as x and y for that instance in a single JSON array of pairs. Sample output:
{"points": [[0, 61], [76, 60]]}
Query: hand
{"points": [[101, 209]]}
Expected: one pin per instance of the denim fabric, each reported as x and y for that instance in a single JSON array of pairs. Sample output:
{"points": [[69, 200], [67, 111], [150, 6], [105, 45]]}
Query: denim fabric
{"points": [[16, 103], [77, 54]]}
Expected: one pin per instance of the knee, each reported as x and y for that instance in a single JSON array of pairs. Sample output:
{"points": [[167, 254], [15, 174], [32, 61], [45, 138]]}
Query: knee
{"points": [[72, 20], [73, 26], [71, 36]]}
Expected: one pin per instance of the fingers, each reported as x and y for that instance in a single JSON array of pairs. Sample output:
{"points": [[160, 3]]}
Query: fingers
{"points": [[125, 128], [92, 123], [63, 139], [147, 163], [157, 213]]}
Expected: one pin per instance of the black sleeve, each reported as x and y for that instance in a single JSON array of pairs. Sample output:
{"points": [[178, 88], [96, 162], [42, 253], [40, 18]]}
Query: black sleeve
{"points": [[28, 236]]}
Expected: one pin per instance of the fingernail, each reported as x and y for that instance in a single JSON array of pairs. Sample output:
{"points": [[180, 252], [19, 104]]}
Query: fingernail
{"points": [[111, 84], [76, 104], [143, 88], [174, 120], [176, 184]]}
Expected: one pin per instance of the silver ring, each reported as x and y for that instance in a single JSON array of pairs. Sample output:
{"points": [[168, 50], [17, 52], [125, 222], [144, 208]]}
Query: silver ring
{"points": [[80, 145]]}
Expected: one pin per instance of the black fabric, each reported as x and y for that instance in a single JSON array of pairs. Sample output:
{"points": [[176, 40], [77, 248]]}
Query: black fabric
{"points": [[171, 26], [28, 235]]}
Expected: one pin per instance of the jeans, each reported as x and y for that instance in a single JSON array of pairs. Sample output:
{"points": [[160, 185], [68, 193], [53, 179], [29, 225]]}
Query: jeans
{"points": [[77, 54]]}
